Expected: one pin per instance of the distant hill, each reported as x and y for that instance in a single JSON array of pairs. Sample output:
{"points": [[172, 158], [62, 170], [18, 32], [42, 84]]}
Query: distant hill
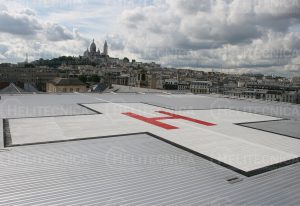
{"points": [[63, 60]]}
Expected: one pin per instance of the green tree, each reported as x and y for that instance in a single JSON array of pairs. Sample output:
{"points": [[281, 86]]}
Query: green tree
{"points": [[82, 78], [95, 78]]}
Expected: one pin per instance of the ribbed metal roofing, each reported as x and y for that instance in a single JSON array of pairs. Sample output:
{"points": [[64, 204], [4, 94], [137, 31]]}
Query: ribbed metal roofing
{"points": [[132, 170]]}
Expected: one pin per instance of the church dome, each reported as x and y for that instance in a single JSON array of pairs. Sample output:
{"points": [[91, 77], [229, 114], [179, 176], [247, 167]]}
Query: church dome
{"points": [[93, 47]]}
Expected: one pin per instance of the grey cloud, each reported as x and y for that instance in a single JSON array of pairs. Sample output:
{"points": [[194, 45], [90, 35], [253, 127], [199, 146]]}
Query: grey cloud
{"points": [[19, 24], [55, 32], [115, 42], [3, 48], [216, 33], [3, 7], [28, 12], [134, 16], [186, 43], [191, 6], [155, 29], [220, 32]]}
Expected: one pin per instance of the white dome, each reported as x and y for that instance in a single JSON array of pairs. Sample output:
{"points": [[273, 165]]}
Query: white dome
{"points": [[93, 47]]}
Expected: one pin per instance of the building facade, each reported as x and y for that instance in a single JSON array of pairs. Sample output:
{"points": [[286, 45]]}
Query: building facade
{"points": [[38, 76], [200, 87], [66, 85], [93, 54], [171, 84]]}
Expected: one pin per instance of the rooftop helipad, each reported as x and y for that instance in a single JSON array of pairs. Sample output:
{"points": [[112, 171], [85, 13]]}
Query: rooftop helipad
{"points": [[86, 149], [214, 134]]}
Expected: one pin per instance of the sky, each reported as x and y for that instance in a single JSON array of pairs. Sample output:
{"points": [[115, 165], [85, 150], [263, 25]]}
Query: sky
{"points": [[240, 36]]}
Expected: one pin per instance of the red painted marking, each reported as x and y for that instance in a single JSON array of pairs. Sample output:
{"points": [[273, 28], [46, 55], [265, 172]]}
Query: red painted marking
{"points": [[150, 121], [176, 116], [155, 121]]}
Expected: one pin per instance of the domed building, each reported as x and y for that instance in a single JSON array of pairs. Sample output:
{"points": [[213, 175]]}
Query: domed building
{"points": [[94, 54], [93, 47]]}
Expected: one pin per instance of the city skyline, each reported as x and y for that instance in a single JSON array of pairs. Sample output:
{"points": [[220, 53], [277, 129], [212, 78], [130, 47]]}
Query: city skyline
{"points": [[229, 36]]}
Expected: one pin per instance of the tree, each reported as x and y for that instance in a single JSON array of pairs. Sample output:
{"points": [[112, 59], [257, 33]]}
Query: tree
{"points": [[95, 78], [82, 78]]}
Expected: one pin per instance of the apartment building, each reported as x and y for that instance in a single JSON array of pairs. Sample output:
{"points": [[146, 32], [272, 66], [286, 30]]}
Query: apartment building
{"points": [[66, 85], [200, 87]]}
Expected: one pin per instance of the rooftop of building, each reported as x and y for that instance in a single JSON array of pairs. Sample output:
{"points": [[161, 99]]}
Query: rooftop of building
{"points": [[77, 149], [12, 89], [58, 81]]}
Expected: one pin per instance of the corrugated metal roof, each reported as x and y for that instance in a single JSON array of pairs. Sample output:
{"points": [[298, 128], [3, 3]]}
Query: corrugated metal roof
{"points": [[286, 127], [132, 170]]}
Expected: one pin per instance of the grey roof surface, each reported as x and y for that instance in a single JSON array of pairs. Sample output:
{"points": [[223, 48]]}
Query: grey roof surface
{"points": [[285, 127], [129, 89], [31, 88], [11, 89], [67, 104], [32, 105], [135, 170]]}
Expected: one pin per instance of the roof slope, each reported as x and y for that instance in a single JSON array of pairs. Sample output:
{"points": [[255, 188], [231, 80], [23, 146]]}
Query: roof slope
{"points": [[12, 89], [30, 88]]}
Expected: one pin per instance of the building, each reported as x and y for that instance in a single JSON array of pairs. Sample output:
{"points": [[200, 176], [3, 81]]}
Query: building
{"points": [[263, 94], [66, 85], [155, 81], [170, 84], [183, 86], [291, 97], [121, 79], [200, 87], [37, 76], [144, 79], [105, 49], [95, 55], [296, 81]]}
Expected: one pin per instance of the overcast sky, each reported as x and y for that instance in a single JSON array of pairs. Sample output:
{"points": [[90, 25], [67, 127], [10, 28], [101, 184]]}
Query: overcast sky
{"points": [[229, 35]]}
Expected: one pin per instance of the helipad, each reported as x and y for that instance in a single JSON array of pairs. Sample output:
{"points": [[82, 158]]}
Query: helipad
{"points": [[214, 134]]}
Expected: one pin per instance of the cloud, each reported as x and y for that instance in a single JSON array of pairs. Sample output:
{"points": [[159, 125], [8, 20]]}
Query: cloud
{"points": [[231, 34], [115, 42], [18, 23], [55, 32], [3, 48], [191, 7], [236, 35], [22, 32], [28, 12], [135, 15]]}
